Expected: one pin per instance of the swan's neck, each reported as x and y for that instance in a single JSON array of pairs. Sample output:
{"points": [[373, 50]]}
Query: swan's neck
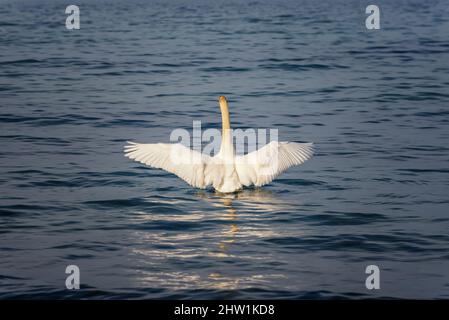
{"points": [[227, 147], [225, 123]]}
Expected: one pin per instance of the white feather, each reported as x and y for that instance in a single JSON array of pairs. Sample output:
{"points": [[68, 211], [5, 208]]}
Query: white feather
{"points": [[262, 166], [187, 164]]}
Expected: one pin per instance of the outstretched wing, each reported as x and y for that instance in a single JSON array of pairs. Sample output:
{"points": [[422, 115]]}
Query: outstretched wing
{"points": [[262, 166], [187, 164]]}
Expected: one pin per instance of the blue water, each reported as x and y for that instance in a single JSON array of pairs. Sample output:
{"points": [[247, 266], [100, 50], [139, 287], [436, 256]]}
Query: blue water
{"points": [[376, 104]]}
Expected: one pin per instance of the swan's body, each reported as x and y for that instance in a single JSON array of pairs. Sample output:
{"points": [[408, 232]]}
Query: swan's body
{"points": [[226, 171]]}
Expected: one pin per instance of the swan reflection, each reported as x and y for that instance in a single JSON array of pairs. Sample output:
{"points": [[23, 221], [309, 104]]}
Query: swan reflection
{"points": [[237, 218], [256, 200], [246, 204]]}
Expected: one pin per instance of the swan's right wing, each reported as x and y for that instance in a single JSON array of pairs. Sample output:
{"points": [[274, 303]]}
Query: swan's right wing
{"points": [[175, 158], [262, 166]]}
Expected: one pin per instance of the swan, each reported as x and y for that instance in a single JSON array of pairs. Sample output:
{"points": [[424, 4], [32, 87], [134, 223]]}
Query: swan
{"points": [[226, 171]]}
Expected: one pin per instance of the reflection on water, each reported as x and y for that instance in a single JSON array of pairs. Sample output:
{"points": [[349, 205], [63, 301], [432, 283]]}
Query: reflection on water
{"points": [[262, 199], [231, 215], [259, 199], [255, 199]]}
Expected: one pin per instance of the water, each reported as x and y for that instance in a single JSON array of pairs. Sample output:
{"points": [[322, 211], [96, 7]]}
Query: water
{"points": [[374, 102]]}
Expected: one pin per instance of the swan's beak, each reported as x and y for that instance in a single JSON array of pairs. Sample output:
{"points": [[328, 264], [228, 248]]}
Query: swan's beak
{"points": [[223, 103]]}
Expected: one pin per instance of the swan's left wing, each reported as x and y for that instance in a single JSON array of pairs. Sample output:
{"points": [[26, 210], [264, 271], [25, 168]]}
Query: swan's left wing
{"points": [[175, 158], [262, 166]]}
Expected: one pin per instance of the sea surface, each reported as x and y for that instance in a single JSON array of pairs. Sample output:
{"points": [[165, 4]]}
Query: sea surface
{"points": [[374, 102]]}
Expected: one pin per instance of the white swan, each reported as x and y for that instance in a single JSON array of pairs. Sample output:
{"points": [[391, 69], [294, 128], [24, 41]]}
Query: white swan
{"points": [[226, 171]]}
